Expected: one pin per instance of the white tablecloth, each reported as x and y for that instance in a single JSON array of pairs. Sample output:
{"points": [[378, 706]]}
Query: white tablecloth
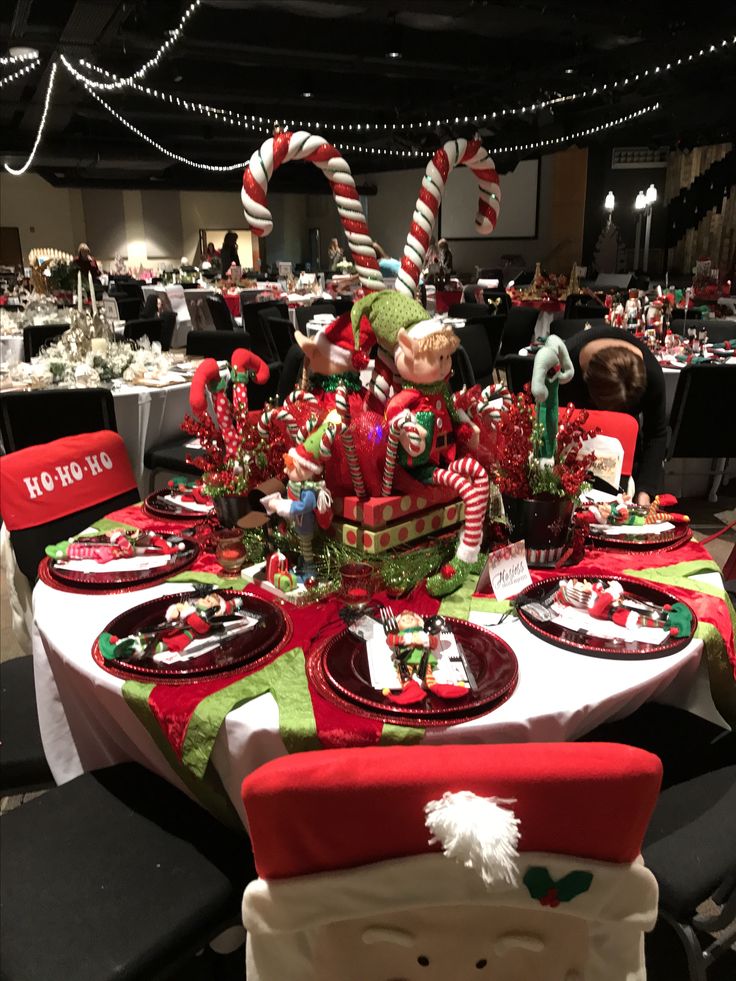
{"points": [[85, 722], [148, 416]]}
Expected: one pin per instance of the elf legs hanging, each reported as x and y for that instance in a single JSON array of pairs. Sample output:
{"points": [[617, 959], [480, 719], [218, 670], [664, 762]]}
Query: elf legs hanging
{"points": [[471, 482]]}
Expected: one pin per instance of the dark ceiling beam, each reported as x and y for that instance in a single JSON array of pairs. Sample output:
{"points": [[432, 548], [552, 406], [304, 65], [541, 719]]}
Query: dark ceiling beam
{"points": [[19, 23]]}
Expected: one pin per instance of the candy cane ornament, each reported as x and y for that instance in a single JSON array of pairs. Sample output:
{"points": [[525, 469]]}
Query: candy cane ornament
{"points": [[401, 424], [342, 405], [305, 146], [468, 153]]}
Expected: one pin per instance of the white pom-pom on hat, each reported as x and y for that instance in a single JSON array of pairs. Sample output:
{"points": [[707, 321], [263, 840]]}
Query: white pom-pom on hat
{"points": [[478, 833]]}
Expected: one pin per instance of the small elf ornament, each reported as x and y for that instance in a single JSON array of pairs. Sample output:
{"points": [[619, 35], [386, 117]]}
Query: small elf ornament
{"points": [[431, 446], [308, 502], [113, 544], [416, 649]]}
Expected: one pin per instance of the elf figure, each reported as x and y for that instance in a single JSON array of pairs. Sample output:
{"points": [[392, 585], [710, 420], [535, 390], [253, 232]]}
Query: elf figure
{"points": [[308, 502], [423, 351], [246, 367], [412, 639], [336, 356], [552, 367], [633, 310]]}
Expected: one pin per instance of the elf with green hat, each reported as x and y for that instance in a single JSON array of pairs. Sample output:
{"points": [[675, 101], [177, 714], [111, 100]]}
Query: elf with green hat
{"points": [[307, 501], [422, 351]]}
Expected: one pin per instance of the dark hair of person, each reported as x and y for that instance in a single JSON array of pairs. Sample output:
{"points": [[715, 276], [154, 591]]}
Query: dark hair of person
{"points": [[616, 379], [230, 239]]}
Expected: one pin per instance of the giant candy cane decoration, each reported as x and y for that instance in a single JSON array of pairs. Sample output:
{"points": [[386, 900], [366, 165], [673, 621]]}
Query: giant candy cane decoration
{"points": [[315, 149], [469, 153]]}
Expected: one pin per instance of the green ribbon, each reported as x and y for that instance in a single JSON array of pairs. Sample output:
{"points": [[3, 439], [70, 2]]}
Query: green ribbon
{"points": [[547, 417], [349, 380], [720, 670], [210, 578]]}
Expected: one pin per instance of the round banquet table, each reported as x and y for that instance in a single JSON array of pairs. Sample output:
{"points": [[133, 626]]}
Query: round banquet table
{"points": [[86, 722]]}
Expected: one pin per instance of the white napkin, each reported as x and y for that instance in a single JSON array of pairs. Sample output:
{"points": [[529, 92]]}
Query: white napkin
{"points": [[189, 505], [569, 616], [594, 496], [134, 563], [656, 529], [381, 665]]}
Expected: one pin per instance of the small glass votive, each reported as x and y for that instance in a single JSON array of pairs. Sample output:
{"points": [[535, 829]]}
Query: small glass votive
{"points": [[230, 551], [356, 583]]}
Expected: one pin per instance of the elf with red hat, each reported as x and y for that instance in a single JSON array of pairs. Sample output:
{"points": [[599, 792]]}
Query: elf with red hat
{"points": [[336, 357], [307, 502], [451, 863]]}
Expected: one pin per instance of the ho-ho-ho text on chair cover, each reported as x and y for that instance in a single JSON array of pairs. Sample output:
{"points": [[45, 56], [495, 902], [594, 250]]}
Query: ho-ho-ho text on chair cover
{"points": [[541, 875]]}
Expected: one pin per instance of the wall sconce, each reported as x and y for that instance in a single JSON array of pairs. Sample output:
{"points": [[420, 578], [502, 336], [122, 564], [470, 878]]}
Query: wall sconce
{"points": [[610, 203]]}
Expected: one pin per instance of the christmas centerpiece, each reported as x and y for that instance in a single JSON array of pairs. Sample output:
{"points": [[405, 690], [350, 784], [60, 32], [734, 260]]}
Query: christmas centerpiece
{"points": [[534, 457]]}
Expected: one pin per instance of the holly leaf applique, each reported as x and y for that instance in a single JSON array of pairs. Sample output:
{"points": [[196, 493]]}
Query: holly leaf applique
{"points": [[549, 892]]}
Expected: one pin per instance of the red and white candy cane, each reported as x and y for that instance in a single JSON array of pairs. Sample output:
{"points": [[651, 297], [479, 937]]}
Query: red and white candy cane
{"points": [[356, 474], [403, 423], [490, 394], [468, 153], [277, 414], [304, 146]]}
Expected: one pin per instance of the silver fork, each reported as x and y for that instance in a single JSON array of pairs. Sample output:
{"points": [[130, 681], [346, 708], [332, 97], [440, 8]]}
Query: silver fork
{"points": [[388, 620]]}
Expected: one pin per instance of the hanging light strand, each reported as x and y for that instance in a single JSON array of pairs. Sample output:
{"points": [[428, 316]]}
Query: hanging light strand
{"points": [[13, 76], [42, 123], [373, 151], [16, 59], [174, 36], [251, 120], [162, 149]]}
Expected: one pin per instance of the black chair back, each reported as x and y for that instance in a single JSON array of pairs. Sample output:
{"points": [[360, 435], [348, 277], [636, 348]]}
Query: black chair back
{"points": [[281, 332], [693, 313], [477, 345], [168, 326], [129, 307], [498, 300], [136, 330], [518, 330], [566, 328], [470, 311], [305, 314], [150, 307], [34, 338], [719, 332], [257, 328], [518, 371], [343, 304], [291, 373], [222, 319], [462, 371], [703, 413], [218, 344], [30, 418], [472, 293], [491, 274], [494, 328], [585, 311]]}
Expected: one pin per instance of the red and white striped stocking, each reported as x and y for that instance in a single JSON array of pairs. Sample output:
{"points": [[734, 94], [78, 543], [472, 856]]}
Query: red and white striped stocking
{"points": [[470, 481]]}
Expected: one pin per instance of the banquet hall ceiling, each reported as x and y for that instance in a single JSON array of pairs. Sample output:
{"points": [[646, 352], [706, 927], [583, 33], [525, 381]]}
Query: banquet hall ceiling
{"points": [[353, 61]]}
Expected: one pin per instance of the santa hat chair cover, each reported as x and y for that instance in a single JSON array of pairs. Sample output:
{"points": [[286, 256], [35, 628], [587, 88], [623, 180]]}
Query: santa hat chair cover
{"points": [[541, 875]]}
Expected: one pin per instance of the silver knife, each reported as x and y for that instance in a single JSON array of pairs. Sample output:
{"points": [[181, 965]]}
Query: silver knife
{"points": [[466, 667], [211, 641]]}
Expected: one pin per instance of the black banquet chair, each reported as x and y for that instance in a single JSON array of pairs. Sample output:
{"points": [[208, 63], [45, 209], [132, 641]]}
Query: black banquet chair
{"points": [[23, 766], [702, 416], [136, 330], [292, 372], [518, 371], [305, 314], [477, 346], [469, 311], [35, 337], [718, 332], [692, 313], [518, 330], [30, 418], [116, 875], [218, 344], [566, 328], [220, 312]]}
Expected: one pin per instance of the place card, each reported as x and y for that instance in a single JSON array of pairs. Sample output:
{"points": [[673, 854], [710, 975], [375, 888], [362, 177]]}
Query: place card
{"points": [[506, 572]]}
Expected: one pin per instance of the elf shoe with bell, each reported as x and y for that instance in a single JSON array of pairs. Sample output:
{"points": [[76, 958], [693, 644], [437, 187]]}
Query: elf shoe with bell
{"points": [[450, 577]]}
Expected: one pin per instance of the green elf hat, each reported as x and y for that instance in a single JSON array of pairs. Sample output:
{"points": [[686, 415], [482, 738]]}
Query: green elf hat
{"points": [[317, 447], [387, 312]]}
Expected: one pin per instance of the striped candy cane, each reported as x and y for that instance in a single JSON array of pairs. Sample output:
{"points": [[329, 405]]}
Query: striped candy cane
{"points": [[356, 474], [304, 146], [472, 154], [403, 423], [492, 393], [277, 414]]}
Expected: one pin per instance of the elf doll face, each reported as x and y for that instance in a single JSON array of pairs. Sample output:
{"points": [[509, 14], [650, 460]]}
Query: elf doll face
{"points": [[423, 362], [319, 360], [295, 469]]}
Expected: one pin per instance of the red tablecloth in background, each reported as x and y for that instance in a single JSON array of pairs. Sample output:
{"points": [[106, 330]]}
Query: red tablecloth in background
{"points": [[444, 299], [233, 303], [545, 306]]}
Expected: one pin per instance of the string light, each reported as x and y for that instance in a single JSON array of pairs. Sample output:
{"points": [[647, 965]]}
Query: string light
{"points": [[39, 134], [590, 131], [252, 121], [174, 36], [7, 79], [14, 59], [162, 149]]}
